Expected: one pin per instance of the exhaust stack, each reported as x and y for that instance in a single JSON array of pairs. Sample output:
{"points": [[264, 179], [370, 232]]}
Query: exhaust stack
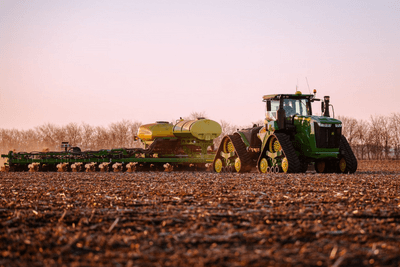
{"points": [[325, 106]]}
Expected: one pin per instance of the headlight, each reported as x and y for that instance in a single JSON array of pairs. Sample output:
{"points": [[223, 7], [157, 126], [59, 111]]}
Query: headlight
{"points": [[338, 125], [324, 124]]}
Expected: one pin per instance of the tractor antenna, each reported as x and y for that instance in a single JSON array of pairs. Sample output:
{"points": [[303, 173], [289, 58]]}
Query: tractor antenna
{"points": [[308, 86]]}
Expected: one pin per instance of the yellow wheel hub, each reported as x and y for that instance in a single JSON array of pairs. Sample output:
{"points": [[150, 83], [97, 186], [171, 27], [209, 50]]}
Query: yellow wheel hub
{"points": [[285, 165], [263, 165], [277, 146], [342, 165], [218, 165], [238, 165], [228, 146], [274, 145]]}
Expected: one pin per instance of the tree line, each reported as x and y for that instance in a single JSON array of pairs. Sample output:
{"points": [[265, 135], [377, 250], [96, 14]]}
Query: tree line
{"points": [[49, 136], [377, 138]]}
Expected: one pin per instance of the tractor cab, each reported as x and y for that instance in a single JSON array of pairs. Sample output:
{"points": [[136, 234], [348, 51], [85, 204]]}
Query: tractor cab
{"points": [[281, 108]]}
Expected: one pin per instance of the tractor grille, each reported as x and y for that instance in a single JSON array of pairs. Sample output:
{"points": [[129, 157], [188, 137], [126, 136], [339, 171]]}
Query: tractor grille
{"points": [[327, 137]]}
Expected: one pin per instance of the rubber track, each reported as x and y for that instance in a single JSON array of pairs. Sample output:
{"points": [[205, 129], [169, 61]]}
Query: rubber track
{"points": [[290, 153], [241, 151], [351, 160]]}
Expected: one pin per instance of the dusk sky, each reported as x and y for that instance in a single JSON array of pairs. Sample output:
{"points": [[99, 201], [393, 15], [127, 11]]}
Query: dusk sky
{"points": [[100, 62]]}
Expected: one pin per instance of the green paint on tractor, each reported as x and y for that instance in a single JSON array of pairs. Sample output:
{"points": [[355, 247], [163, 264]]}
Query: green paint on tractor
{"points": [[290, 140]]}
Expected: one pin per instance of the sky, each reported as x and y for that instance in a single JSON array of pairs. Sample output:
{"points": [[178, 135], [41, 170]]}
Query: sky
{"points": [[101, 62]]}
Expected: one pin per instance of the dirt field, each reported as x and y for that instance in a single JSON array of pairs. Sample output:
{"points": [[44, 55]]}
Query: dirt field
{"points": [[201, 219]]}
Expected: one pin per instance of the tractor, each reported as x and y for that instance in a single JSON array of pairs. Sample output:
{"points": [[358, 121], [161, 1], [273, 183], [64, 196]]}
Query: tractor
{"points": [[291, 140]]}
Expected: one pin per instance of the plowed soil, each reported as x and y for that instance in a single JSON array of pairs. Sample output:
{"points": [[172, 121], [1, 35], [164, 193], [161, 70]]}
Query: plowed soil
{"points": [[201, 218]]}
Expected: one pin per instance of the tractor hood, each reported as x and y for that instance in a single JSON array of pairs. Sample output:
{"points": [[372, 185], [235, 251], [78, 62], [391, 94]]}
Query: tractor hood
{"points": [[325, 120]]}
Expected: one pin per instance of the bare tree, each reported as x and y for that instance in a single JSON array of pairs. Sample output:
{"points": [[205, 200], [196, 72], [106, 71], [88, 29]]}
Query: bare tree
{"points": [[88, 133], [6, 140], [133, 129], [379, 137], [227, 128], [73, 133], [395, 132], [30, 140], [349, 128], [360, 140], [49, 135], [195, 115], [101, 138], [386, 138], [119, 133]]}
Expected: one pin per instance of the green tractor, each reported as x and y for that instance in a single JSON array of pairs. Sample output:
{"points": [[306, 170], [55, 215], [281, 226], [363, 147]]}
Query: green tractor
{"points": [[290, 140]]}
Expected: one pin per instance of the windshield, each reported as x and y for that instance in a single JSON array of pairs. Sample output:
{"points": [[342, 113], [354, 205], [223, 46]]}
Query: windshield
{"points": [[296, 107], [292, 107]]}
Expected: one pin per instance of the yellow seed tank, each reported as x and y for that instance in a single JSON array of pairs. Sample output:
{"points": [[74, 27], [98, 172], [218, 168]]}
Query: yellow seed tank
{"points": [[202, 129], [149, 132]]}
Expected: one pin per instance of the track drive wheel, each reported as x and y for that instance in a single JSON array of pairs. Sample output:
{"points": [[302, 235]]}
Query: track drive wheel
{"points": [[228, 146], [274, 145]]}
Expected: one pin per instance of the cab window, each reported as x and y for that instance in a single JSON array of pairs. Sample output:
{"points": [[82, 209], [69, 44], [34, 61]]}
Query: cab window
{"points": [[303, 107], [271, 110], [298, 107]]}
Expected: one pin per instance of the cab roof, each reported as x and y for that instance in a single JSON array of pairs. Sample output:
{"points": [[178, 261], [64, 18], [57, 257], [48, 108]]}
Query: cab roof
{"points": [[287, 96]]}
